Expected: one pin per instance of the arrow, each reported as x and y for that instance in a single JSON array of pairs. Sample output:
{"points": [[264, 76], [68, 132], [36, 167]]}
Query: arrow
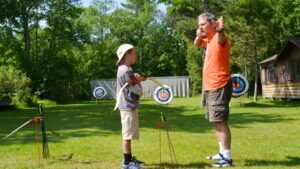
{"points": [[29, 121], [156, 82]]}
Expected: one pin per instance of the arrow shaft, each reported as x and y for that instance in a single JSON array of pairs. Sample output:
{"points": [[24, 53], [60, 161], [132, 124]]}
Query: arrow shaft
{"points": [[17, 129], [156, 82], [52, 131]]}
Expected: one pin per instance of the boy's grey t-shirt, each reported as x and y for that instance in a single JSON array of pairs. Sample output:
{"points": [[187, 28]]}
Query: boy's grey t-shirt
{"points": [[128, 100]]}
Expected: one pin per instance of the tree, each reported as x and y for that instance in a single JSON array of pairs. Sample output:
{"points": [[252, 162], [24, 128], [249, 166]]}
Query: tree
{"points": [[181, 17], [54, 67], [19, 17]]}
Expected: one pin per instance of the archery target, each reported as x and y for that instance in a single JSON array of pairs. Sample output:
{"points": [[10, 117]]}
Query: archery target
{"points": [[163, 95], [99, 92], [240, 85]]}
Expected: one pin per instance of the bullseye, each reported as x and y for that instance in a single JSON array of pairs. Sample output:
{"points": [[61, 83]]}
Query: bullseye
{"points": [[163, 95], [99, 92], [240, 85]]}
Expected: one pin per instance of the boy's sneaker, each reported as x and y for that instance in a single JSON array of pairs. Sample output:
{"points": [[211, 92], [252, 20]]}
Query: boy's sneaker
{"points": [[215, 157], [223, 163], [136, 161], [131, 165]]}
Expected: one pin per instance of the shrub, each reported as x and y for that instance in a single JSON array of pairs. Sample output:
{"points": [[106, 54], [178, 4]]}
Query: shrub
{"points": [[14, 85]]}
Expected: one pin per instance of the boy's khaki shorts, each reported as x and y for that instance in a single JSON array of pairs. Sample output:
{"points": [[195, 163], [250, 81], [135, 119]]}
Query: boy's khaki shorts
{"points": [[217, 103], [130, 124]]}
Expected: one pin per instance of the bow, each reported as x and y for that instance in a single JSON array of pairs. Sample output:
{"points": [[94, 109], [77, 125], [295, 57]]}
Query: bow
{"points": [[126, 84], [119, 95]]}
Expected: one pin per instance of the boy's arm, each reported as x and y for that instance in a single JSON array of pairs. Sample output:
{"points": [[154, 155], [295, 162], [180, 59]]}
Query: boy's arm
{"points": [[136, 79]]}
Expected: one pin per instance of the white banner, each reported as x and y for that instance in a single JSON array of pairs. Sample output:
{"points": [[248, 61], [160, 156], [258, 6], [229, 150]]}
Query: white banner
{"points": [[179, 84]]}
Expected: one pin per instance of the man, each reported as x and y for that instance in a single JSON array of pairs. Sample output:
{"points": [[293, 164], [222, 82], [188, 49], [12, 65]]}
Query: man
{"points": [[128, 103], [216, 78]]}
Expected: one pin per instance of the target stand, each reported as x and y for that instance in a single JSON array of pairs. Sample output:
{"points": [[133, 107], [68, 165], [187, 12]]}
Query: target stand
{"points": [[240, 86], [163, 95], [38, 121], [164, 125], [99, 93]]}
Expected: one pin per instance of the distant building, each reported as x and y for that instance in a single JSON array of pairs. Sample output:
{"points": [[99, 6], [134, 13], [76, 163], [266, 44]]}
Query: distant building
{"points": [[280, 74]]}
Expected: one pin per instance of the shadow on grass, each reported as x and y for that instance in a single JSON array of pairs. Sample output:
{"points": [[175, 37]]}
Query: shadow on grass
{"points": [[90, 119], [290, 162], [274, 103], [172, 165], [240, 119]]}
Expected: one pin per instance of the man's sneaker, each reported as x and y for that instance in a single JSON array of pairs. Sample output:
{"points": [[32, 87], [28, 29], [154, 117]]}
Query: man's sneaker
{"points": [[223, 163], [136, 161], [215, 157], [131, 165]]}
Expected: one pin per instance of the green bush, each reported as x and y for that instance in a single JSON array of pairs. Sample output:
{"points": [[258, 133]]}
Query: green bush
{"points": [[194, 67], [14, 86], [46, 102]]}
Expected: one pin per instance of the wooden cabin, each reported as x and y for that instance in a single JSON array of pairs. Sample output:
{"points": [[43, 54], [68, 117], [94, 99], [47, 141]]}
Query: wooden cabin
{"points": [[280, 74]]}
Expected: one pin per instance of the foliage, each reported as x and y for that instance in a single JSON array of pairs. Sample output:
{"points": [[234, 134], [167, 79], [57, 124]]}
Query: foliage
{"points": [[61, 45], [194, 66], [93, 134], [14, 85]]}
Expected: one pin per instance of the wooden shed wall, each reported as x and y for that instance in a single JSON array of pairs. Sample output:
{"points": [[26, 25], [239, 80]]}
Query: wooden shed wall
{"points": [[283, 90], [286, 83]]}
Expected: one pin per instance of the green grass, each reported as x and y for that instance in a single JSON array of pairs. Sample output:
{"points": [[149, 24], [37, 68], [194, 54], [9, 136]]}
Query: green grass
{"points": [[265, 135]]}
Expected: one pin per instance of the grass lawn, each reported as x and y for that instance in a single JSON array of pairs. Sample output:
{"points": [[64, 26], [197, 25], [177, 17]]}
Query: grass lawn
{"points": [[265, 135]]}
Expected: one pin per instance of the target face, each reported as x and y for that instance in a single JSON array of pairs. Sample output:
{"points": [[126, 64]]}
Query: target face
{"points": [[240, 85], [99, 92], [163, 95]]}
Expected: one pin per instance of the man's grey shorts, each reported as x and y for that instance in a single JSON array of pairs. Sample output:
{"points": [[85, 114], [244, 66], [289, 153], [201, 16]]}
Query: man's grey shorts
{"points": [[217, 103]]}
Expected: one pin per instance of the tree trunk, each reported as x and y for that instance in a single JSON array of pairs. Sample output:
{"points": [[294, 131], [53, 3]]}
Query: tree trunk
{"points": [[141, 51], [26, 38], [245, 64], [206, 2], [27, 48], [256, 74], [255, 63]]}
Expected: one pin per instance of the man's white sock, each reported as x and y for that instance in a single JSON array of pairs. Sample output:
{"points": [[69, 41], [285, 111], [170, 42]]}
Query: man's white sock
{"points": [[221, 148], [227, 154]]}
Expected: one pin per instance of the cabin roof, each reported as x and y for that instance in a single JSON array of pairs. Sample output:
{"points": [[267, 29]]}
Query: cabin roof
{"points": [[270, 59], [289, 45]]}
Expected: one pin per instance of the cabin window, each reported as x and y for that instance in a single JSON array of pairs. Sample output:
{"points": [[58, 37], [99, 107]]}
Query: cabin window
{"points": [[272, 75], [263, 75], [290, 71], [283, 72], [297, 71]]}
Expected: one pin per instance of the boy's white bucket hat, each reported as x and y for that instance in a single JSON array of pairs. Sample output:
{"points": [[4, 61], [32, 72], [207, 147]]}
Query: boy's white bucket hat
{"points": [[122, 50]]}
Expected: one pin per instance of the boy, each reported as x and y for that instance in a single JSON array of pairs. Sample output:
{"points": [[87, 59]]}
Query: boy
{"points": [[128, 102]]}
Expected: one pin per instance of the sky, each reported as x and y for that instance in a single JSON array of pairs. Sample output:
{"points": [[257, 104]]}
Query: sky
{"points": [[87, 3]]}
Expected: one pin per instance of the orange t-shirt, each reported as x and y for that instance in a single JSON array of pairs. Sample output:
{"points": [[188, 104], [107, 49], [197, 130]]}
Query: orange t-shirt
{"points": [[216, 70]]}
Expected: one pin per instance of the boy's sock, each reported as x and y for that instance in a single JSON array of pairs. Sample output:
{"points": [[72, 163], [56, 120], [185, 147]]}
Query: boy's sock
{"points": [[127, 158]]}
